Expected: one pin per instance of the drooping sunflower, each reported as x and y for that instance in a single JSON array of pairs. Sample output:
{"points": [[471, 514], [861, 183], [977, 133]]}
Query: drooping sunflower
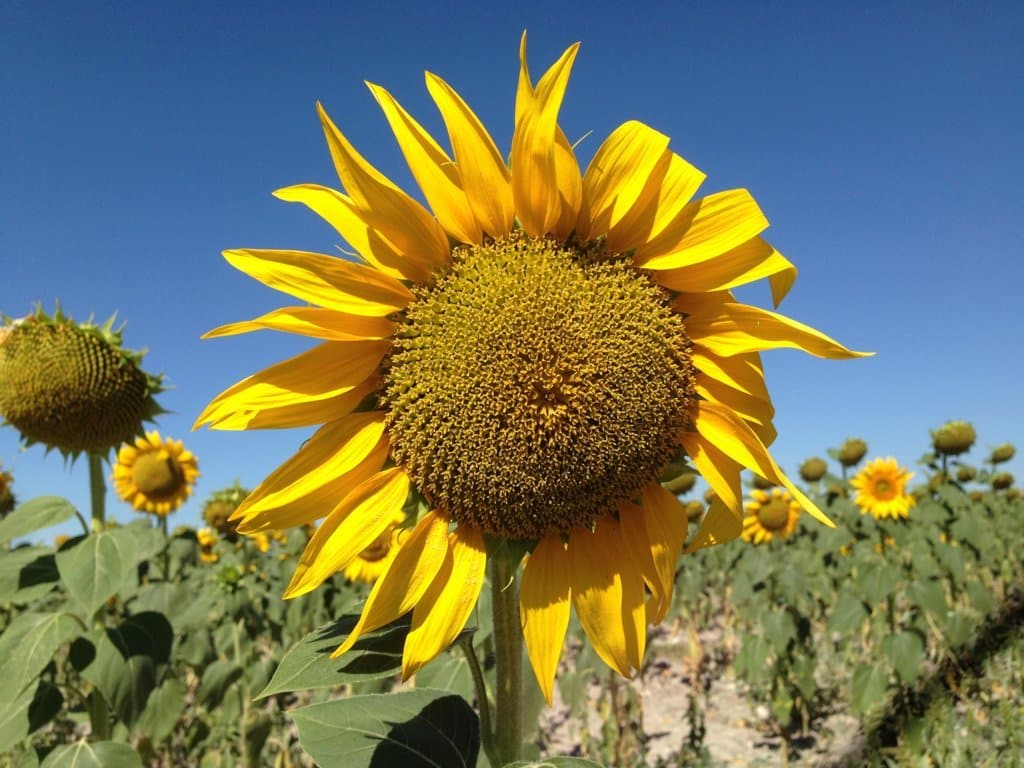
{"points": [[770, 514], [372, 562], [882, 489], [528, 355], [154, 474]]}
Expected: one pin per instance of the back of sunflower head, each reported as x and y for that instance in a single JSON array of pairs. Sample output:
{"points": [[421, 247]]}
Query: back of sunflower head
{"points": [[72, 386]]}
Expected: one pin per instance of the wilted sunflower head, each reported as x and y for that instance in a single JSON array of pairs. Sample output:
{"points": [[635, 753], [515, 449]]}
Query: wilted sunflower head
{"points": [[770, 515], [953, 438], [1002, 480], [7, 500], [155, 475], [813, 469], [1002, 453], [72, 386], [527, 357], [882, 489], [850, 452], [221, 505]]}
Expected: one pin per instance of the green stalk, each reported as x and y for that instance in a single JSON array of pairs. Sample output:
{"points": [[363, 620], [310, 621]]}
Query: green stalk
{"points": [[508, 647], [97, 491], [99, 716], [480, 685]]}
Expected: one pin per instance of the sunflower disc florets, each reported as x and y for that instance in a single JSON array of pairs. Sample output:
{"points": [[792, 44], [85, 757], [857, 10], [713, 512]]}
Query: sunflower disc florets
{"points": [[72, 386]]}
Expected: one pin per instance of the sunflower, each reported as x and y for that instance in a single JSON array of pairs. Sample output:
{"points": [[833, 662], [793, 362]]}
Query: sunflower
{"points": [[369, 564], [7, 500], [882, 489], [770, 515], [155, 475], [528, 355], [208, 538]]}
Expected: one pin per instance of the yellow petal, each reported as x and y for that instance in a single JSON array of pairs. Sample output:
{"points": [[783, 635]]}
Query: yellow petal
{"points": [[758, 413], [718, 526], [383, 206], [326, 281], [667, 191], [372, 245], [704, 228], [433, 170], [352, 526], [733, 437], [407, 578], [544, 608], [730, 329], [300, 414], [312, 321], [486, 180], [665, 526], [742, 372], [324, 374], [751, 261], [442, 612], [608, 593], [534, 169], [338, 457], [617, 175], [720, 472], [570, 186]]}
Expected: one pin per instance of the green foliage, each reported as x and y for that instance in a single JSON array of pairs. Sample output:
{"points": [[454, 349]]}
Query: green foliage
{"points": [[33, 516]]}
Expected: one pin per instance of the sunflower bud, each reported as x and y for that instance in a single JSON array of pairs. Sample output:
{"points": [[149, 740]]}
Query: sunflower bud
{"points": [[964, 474], [681, 484], [72, 386], [219, 507], [977, 496], [761, 484], [813, 470], [694, 510], [953, 438], [851, 452], [1002, 453], [710, 496], [1002, 480]]}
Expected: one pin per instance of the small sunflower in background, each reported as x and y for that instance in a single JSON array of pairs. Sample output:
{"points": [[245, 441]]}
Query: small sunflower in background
{"points": [[953, 438], [530, 354], [207, 539], [373, 561], [850, 453], [155, 475], [7, 500], [882, 489], [812, 470], [72, 385], [219, 507], [770, 514]]}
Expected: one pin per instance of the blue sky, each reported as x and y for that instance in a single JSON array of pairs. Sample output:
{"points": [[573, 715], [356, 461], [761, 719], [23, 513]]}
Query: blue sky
{"points": [[882, 141]]}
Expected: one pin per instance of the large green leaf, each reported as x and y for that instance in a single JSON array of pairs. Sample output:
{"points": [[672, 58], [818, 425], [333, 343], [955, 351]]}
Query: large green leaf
{"points": [[25, 573], [28, 644], [930, 595], [848, 614], [126, 660], [35, 515], [906, 652], [97, 567], [162, 711], [217, 679], [418, 728], [98, 754], [869, 684], [877, 581], [30, 710]]}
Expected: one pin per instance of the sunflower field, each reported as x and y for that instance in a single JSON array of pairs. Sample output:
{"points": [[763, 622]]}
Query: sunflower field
{"points": [[491, 549]]}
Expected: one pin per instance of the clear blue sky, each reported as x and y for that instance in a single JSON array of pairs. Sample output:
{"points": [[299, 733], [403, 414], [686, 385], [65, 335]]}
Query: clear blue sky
{"points": [[882, 140]]}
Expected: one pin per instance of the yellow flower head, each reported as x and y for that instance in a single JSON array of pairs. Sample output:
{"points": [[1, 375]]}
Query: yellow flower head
{"points": [[207, 538], [882, 489], [530, 353], [770, 515], [373, 561], [155, 475]]}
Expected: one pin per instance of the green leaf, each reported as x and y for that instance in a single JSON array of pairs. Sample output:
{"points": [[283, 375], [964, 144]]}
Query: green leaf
{"points": [[217, 678], [556, 762], [309, 665], [22, 571], [27, 712], [752, 659], [930, 595], [97, 567], [413, 729], [877, 581], [149, 541], [28, 644], [162, 711], [848, 614], [779, 629], [958, 627], [869, 684], [98, 754], [980, 597], [35, 515], [906, 652], [125, 662]]}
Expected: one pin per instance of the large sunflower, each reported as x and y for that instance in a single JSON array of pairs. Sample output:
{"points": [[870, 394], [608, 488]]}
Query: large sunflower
{"points": [[770, 514], [154, 474], [528, 356], [882, 489]]}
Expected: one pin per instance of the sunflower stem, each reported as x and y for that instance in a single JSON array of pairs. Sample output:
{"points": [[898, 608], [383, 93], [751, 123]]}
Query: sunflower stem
{"points": [[97, 491], [484, 701], [508, 647]]}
